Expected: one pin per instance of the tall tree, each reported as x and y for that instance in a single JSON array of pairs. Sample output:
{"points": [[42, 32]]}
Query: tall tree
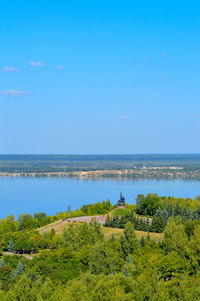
{"points": [[129, 241], [11, 246]]}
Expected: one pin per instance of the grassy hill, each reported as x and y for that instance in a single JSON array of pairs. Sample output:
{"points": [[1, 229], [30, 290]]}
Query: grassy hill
{"points": [[59, 226]]}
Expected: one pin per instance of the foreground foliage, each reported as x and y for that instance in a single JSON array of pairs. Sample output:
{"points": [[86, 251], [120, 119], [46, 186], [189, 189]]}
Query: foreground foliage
{"points": [[80, 264]]}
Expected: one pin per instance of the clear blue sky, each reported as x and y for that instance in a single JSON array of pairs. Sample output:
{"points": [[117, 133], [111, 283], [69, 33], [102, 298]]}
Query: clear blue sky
{"points": [[99, 76]]}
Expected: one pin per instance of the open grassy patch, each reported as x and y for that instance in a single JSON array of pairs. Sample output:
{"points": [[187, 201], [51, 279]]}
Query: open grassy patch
{"points": [[52, 225], [108, 232]]}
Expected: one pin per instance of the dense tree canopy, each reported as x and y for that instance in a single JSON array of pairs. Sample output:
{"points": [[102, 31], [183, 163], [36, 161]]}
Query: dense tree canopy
{"points": [[82, 264]]}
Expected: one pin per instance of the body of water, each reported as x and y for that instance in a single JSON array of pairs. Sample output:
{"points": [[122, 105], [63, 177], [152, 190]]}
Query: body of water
{"points": [[52, 195]]}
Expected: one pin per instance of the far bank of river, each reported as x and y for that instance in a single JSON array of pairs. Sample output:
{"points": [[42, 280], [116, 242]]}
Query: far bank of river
{"points": [[29, 195], [150, 173]]}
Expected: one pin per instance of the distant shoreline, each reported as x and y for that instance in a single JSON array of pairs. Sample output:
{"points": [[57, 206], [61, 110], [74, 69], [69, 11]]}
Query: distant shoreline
{"points": [[171, 172]]}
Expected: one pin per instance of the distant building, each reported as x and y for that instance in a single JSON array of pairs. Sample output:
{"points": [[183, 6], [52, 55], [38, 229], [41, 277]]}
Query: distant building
{"points": [[121, 202]]}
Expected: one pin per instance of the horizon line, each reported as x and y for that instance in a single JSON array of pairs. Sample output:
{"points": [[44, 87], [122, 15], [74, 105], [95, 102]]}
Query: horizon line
{"points": [[95, 154]]}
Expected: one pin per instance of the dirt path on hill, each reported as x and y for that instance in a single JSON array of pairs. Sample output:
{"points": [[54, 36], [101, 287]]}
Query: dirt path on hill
{"points": [[30, 257], [80, 219]]}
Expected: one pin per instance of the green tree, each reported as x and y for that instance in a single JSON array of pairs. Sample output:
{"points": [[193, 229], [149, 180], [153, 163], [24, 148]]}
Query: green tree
{"points": [[41, 219], [129, 242], [11, 246], [165, 215], [148, 238], [126, 271], [158, 224], [26, 222], [177, 209], [104, 259], [20, 270], [5, 272], [142, 241], [147, 205], [2, 263], [175, 237]]}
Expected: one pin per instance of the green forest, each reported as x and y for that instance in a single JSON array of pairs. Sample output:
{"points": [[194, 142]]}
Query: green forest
{"points": [[70, 163], [80, 263]]}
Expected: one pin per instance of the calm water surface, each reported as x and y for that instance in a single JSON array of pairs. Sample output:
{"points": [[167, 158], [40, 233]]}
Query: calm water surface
{"points": [[52, 195]]}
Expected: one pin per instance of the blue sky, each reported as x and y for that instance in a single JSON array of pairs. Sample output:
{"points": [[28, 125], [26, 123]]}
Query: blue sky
{"points": [[99, 77]]}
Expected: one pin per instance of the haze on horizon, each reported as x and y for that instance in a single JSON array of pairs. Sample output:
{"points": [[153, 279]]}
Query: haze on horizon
{"points": [[104, 77]]}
